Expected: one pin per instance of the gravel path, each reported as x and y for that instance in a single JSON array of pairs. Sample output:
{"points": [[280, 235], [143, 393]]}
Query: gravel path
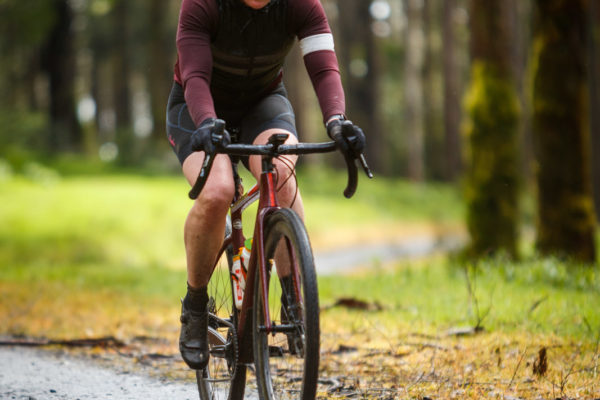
{"points": [[340, 259], [33, 374]]}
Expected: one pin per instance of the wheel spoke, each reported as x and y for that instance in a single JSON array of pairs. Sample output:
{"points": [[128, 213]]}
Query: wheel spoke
{"points": [[222, 374]]}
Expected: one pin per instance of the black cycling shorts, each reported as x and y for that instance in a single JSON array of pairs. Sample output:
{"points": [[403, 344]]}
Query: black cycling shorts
{"points": [[244, 125]]}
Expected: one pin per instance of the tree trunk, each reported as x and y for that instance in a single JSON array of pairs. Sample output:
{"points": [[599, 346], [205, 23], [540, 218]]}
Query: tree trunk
{"points": [[59, 63], [594, 56], [522, 45], [493, 114], [453, 161], [160, 69], [432, 98], [121, 81], [566, 220], [413, 89]]}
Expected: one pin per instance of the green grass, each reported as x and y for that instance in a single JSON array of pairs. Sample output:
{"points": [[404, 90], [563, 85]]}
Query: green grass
{"points": [[382, 198], [122, 221], [137, 221], [547, 296], [121, 236]]}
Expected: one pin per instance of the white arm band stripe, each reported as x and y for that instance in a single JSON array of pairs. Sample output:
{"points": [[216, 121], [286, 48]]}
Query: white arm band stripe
{"points": [[310, 44]]}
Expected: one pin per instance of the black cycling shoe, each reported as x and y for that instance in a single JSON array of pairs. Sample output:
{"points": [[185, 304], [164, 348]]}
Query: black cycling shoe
{"points": [[193, 343]]}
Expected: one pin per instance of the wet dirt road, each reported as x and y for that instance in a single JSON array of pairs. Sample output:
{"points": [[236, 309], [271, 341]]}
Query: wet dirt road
{"points": [[33, 374]]}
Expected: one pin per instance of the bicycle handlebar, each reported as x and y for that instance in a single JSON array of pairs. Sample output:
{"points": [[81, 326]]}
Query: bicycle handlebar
{"points": [[274, 149]]}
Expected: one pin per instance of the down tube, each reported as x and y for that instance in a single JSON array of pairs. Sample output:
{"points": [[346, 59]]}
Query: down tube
{"points": [[257, 269]]}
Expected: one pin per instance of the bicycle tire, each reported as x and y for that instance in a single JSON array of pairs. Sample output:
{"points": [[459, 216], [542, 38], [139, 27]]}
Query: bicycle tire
{"points": [[287, 365], [223, 367]]}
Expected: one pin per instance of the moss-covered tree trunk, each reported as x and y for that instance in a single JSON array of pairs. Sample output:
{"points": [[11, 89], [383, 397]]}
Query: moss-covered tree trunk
{"points": [[492, 183], [566, 220]]}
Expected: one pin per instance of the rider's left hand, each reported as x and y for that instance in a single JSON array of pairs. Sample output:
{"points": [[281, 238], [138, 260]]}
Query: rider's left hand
{"points": [[342, 129]]}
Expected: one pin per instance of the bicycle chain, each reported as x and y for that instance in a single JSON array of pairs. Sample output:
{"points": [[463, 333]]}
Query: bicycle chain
{"points": [[233, 362]]}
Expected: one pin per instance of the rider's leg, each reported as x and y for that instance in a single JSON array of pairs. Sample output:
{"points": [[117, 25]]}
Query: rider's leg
{"points": [[205, 223], [203, 236]]}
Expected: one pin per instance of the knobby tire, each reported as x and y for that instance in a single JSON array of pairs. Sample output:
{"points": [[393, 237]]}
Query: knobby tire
{"points": [[287, 368]]}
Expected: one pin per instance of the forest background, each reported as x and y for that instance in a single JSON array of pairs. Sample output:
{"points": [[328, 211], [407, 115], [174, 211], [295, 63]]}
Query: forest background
{"points": [[444, 90]]}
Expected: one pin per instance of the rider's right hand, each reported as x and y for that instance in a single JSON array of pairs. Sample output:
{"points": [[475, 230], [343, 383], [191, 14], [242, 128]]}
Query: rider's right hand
{"points": [[210, 135]]}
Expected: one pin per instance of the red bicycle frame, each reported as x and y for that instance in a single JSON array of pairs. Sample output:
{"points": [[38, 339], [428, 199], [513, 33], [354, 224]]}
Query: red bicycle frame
{"points": [[265, 190]]}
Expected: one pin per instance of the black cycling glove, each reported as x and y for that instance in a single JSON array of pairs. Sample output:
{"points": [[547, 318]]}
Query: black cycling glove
{"points": [[347, 135], [210, 134]]}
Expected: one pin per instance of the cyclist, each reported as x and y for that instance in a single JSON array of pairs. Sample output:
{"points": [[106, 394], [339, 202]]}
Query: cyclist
{"points": [[230, 55]]}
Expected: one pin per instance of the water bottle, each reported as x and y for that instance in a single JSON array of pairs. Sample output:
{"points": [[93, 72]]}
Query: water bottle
{"points": [[238, 279], [245, 254]]}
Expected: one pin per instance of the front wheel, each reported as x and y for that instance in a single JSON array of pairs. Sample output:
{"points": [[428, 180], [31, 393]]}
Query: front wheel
{"points": [[287, 358]]}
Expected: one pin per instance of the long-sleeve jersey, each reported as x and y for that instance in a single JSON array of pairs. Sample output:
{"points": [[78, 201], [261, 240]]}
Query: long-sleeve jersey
{"points": [[230, 55]]}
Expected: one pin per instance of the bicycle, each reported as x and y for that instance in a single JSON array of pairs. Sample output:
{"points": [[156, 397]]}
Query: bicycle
{"points": [[276, 329]]}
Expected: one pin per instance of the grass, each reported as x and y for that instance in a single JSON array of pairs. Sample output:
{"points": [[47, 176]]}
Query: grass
{"points": [[418, 340], [120, 236], [88, 256], [540, 296]]}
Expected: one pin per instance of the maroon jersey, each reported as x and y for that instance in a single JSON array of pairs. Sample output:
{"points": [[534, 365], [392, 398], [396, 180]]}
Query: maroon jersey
{"points": [[231, 56]]}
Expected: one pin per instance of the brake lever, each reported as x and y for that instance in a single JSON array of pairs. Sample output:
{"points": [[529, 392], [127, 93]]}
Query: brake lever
{"points": [[209, 158], [366, 168], [202, 176]]}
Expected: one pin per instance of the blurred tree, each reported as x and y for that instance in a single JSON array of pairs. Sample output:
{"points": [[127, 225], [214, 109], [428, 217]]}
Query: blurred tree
{"points": [[451, 94], [521, 50], [359, 58], [413, 90], [492, 186], [594, 56], [122, 60], [100, 38], [58, 61], [566, 220], [24, 27], [433, 97], [161, 45]]}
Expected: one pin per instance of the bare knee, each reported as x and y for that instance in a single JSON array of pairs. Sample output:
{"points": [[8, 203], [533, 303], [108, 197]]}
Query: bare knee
{"points": [[214, 200]]}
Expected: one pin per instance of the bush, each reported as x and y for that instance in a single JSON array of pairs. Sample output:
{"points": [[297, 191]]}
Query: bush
{"points": [[22, 137]]}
